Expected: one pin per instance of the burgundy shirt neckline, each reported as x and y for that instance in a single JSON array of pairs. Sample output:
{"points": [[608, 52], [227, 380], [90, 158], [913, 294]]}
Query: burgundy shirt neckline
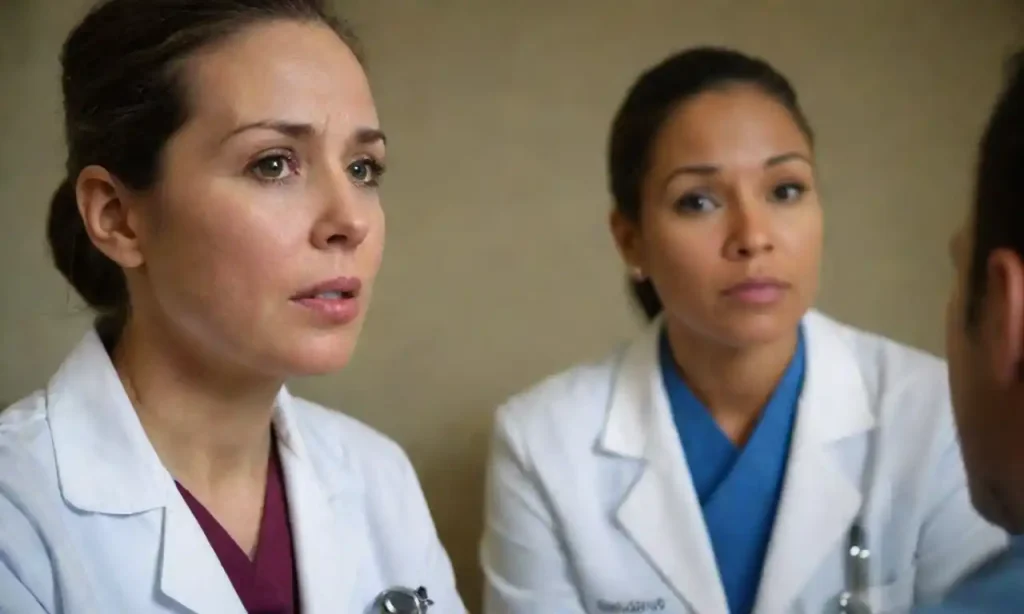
{"points": [[267, 583]]}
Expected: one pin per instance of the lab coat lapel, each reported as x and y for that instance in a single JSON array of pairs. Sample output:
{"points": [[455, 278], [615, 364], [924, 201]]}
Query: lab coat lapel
{"points": [[661, 513], [106, 465], [820, 499], [89, 411], [190, 572], [105, 462], [327, 549]]}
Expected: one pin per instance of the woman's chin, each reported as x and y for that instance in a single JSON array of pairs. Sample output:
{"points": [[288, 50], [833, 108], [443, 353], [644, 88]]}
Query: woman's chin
{"points": [[318, 357], [313, 368], [757, 331]]}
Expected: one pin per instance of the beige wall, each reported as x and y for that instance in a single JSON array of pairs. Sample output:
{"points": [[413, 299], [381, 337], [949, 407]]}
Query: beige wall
{"points": [[499, 269]]}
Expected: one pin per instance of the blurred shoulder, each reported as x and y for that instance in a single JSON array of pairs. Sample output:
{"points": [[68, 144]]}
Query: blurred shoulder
{"points": [[906, 389], [880, 356], [565, 411]]}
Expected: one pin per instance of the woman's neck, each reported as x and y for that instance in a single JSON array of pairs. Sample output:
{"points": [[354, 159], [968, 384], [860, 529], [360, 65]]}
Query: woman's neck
{"points": [[210, 427], [733, 383]]}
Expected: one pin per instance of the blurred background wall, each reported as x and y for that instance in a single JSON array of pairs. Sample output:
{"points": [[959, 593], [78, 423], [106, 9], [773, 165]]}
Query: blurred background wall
{"points": [[499, 268]]}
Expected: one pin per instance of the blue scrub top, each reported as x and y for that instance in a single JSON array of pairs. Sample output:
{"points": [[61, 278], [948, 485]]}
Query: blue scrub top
{"points": [[996, 588], [738, 487]]}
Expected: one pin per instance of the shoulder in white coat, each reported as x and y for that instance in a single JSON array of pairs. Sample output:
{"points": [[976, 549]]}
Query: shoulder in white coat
{"points": [[590, 505], [91, 521]]}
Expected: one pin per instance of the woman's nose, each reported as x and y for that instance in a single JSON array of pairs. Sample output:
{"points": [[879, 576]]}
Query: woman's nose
{"points": [[750, 232], [344, 223]]}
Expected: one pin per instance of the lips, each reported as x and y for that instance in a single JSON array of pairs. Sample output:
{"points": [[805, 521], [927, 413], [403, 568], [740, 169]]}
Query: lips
{"points": [[757, 291], [333, 302], [335, 289], [327, 295]]}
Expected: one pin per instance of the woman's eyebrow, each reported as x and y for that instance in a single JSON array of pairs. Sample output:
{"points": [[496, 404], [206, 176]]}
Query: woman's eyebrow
{"points": [[292, 129]]}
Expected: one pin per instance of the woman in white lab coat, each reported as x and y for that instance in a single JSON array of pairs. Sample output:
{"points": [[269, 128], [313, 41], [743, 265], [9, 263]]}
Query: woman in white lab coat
{"points": [[732, 456], [221, 213]]}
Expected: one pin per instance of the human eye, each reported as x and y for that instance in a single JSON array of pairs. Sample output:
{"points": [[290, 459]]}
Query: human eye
{"points": [[696, 202], [366, 171], [274, 167], [787, 192]]}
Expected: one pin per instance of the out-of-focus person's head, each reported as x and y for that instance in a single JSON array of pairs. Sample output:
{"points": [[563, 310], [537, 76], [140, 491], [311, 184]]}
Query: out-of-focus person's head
{"points": [[985, 319]]}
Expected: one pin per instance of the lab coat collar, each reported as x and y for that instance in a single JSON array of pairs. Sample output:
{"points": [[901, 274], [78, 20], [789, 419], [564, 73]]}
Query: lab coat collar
{"points": [[105, 462], [324, 515], [328, 545], [107, 465], [192, 575], [821, 498], [662, 514]]}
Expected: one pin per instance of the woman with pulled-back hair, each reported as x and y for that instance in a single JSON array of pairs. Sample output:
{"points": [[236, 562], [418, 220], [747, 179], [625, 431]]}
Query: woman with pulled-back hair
{"points": [[745, 453], [221, 214]]}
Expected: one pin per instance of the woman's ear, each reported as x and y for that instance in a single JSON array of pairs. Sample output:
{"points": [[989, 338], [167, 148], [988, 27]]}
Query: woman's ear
{"points": [[629, 242], [1003, 315], [108, 219]]}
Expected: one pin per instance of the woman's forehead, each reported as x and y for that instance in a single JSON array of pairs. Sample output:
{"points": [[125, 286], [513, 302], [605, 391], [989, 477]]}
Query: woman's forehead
{"points": [[732, 126], [281, 71]]}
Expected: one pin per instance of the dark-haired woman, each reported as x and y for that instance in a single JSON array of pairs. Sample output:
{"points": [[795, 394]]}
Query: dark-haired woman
{"points": [[745, 453], [221, 214]]}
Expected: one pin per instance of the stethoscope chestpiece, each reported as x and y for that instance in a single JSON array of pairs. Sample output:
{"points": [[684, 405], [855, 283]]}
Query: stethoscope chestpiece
{"points": [[851, 604], [852, 600], [400, 600]]}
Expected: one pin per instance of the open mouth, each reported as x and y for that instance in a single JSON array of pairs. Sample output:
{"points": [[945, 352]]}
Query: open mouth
{"points": [[330, 295], [335, 301], [338, 289]]}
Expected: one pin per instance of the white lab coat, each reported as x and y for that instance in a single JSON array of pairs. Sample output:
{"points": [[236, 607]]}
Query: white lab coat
{"points": [[91, 521], [591, 508]]}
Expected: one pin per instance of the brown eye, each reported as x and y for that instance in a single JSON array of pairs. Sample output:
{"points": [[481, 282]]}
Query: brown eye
{"points": [[696, 203], [787, 192]]}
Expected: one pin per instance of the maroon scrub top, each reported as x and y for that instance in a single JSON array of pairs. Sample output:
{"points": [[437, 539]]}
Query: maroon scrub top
{"points": [[268, 583]]}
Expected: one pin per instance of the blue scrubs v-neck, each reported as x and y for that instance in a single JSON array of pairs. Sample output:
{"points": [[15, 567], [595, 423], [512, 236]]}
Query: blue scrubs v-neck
{"points": [[738, 487]]}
